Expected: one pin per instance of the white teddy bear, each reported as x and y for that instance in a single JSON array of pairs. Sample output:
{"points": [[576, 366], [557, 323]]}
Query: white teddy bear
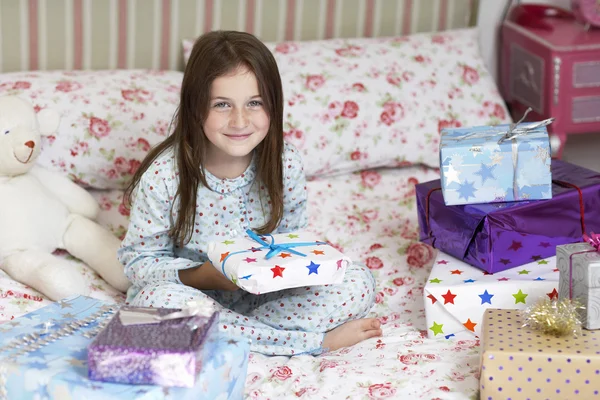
{"points": [[41, 211]]}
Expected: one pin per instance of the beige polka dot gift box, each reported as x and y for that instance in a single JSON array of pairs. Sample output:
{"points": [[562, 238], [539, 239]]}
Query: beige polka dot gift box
{"points": [[521, 363]]}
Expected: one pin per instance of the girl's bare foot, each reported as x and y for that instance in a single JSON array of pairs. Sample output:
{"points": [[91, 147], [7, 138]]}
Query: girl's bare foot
{"points": [[351, 332]]}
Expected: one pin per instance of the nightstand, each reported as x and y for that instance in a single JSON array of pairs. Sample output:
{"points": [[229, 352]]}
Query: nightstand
{"points": [[556, 73]]}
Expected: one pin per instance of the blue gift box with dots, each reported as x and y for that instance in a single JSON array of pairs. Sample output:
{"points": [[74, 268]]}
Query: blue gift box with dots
{"points": [[44, 355], [521, 363], [483, 165]]}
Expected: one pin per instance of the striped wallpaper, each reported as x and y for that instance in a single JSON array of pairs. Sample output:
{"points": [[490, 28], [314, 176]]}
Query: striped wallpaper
{"points": [[101, 34]]}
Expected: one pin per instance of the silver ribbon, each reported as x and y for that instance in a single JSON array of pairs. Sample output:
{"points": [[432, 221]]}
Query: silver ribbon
{"points": [[137, 316], [512, 134], [513, 130]]}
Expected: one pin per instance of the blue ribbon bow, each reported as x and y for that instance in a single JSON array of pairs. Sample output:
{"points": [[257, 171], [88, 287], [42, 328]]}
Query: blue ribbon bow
{"points": [[274, 248]]}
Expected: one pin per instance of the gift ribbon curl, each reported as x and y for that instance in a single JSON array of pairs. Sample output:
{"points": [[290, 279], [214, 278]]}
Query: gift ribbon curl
{"points": [[514, 130], [593, 239]]}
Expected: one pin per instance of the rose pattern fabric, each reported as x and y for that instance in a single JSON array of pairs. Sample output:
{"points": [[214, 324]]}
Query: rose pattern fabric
{"points": [[355, 104], [370, 215], [350, 105], [109, 119]]}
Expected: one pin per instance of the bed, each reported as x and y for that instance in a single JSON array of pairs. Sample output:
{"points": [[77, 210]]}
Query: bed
{"points": [[365, 149]]}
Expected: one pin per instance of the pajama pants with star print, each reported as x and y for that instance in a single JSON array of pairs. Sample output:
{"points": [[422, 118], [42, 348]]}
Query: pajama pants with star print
{"points": [[288, 322]]}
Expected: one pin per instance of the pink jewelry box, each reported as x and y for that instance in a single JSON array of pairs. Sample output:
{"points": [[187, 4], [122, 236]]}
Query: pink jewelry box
{"points": [[554, 71]]}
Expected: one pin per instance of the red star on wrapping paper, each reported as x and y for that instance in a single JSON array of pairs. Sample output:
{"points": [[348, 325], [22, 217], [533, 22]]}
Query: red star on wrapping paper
{"points": [[449, 297], [535, 258], [249, 260], [555, 270], [503, 279], [318, 252], [339, 264], [544, 244], [277, 271], [553, 294], [442, 262], [505, 261], [284, 255], [254, 249], [470, 325], [515, 245], [224, 256], [487, 273], [432, 298], [456, 272]]}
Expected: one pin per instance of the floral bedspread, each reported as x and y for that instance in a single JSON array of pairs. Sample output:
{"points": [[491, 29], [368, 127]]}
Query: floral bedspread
{"points": [[371, 217]]}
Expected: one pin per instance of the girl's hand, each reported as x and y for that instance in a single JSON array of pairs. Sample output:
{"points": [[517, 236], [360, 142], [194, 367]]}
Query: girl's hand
{"points": [[206, 277]]}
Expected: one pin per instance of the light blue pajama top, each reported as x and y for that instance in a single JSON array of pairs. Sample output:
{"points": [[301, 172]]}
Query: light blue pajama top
{"points": [[224, 211]]}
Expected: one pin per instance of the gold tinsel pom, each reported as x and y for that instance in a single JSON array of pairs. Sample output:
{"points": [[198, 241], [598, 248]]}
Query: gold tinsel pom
{"points": [[554, 317]]}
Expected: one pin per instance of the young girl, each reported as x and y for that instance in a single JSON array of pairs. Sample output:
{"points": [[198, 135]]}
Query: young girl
{"points": [[226, 169]]}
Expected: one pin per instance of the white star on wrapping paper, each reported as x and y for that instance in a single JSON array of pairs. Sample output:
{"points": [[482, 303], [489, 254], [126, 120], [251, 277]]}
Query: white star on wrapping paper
{"points": [[451, 175], [497, 158], [64, 304], [457, 160], [542, 154]]}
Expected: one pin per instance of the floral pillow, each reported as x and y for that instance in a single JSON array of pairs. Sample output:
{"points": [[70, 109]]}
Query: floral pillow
{"points": [[353, 104], [110, 119]]}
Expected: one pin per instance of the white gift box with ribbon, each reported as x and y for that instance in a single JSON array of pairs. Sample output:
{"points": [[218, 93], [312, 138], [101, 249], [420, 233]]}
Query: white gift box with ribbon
{"points": [[267, 263]]}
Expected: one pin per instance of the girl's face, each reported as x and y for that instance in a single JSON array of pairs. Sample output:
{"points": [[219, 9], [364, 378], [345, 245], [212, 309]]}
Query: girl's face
{"points": [[237, 120]]}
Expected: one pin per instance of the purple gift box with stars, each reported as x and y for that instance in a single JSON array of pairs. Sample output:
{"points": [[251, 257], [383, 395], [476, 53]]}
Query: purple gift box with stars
{"points": [[498, 236]]}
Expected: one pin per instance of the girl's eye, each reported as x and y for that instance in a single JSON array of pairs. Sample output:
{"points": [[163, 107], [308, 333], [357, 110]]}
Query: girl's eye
{"points": [[255, 103], [220, 105]]}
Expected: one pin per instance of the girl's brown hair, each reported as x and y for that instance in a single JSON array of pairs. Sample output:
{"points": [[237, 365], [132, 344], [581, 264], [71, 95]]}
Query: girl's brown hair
{"points": [[216, 54]]}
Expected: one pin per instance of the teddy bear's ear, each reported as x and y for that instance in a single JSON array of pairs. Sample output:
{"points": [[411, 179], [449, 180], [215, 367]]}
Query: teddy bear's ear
{"points": [[48, 121]]}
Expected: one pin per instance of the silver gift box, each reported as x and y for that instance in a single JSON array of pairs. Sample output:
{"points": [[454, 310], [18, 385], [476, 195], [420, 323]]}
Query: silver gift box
{"points": [[585, 275]]}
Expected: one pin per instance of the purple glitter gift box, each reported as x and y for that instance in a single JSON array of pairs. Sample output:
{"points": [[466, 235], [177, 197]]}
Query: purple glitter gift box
{"points": [[499, 236], [165, 352]]}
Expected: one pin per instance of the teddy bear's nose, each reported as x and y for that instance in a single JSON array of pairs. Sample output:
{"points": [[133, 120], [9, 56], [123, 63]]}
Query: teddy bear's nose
{"points": [[30, 144]]}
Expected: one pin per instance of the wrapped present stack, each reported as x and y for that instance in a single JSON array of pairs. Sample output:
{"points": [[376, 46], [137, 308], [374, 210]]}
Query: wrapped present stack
{"points": [[269, 263], [82, 348], [501, 207]]}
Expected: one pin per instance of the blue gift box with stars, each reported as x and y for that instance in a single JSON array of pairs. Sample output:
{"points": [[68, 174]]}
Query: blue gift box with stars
{"points": [[43, 355], [503, 163]]}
